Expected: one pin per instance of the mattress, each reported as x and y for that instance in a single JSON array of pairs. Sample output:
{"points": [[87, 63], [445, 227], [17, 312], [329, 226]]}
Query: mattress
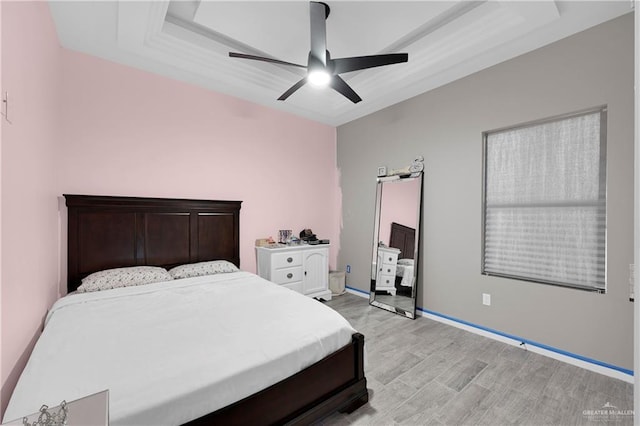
{"points": [[405, 270], [174, 351]]}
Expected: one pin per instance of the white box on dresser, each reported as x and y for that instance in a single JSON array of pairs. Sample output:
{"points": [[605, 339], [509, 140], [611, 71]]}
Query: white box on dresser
{"points": [[303, 268]]}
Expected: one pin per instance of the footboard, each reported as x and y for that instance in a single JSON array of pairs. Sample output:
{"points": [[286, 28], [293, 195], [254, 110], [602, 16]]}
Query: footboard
{"points": [[335, 383]]}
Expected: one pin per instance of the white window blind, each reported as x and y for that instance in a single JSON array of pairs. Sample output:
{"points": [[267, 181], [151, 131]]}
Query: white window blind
{"points": [[545, 201]]}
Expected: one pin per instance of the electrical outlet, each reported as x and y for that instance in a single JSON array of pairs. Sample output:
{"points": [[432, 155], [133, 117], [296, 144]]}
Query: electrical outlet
{"points": [[348, 269], [486, 299]]}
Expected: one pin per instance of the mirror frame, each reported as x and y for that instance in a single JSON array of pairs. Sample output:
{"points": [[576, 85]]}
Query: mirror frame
{"points": [[416, 254]]}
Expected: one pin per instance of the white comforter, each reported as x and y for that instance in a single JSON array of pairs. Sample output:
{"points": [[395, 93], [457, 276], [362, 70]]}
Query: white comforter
{"points": [[405, 270], [171, 352]]}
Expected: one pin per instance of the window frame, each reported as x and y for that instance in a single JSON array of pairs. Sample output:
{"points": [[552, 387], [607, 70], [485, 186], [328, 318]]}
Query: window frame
{"points": [[603, 182]]}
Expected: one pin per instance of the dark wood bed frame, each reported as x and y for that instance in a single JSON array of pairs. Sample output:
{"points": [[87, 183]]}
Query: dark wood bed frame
{"points": [[108, 232], [403, 238]]}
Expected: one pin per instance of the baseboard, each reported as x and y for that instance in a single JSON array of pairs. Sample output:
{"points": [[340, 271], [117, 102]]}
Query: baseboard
{"points": [[590, 364], [357, 292], [535, 347]]}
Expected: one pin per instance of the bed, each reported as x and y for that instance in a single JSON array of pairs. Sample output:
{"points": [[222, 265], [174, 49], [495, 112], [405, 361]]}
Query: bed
{"points": [[403, 238], [225, 385]]}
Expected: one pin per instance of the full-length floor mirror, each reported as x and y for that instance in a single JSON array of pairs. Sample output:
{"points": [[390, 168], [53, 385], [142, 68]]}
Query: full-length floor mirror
{"points": [[396, 238]]}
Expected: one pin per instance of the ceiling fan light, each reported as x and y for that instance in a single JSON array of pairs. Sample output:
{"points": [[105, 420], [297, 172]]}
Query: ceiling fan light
{"points": [[319, 78]]}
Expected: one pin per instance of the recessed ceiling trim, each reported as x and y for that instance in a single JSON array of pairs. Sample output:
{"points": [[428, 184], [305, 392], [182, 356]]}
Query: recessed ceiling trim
{"points": [[449, 42], [224, 44]]}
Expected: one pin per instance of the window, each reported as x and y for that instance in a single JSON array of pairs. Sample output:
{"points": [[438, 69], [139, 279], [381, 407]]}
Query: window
{"points": [[544, 215]]}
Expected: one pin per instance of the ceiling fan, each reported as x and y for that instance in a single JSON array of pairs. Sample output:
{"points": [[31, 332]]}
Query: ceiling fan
{"points": [[321, 68]]}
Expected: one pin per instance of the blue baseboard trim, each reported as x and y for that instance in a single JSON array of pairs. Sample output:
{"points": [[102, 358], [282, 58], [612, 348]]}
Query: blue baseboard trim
{"points": [[529, 342], [358, 290], [516, 338]]}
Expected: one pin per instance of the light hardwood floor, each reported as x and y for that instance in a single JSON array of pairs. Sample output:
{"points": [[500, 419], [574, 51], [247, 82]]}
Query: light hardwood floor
{"points": [[423, 372]]}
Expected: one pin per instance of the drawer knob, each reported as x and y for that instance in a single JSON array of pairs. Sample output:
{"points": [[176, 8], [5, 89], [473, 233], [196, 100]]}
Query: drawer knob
{"points": [[289, 259], [390, 259], [389, 271], [289, 275]]}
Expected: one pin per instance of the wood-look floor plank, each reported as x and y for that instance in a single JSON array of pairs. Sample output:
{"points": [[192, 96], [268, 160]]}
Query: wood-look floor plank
{"points": [[461, 373], [424, 372]]}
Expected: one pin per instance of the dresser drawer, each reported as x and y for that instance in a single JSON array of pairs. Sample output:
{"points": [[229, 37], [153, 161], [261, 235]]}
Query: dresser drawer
{"points": [[389, 258], [385, 281], [387, 269], [286, 260], [287, 275]]}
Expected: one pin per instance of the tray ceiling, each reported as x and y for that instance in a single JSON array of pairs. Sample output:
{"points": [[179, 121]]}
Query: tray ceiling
{"points": [[446, 40]]}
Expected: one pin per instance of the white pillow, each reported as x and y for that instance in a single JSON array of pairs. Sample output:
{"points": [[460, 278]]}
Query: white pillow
{"points": [[123, 277], [203, 268]]}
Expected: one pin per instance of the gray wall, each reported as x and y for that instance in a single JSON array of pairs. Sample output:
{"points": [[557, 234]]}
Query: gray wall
{"points": [[592, 68]]}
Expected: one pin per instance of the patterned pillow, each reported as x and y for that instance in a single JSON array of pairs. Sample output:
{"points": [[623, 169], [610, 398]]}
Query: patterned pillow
{"points": [[203, 268], [123, 277]]}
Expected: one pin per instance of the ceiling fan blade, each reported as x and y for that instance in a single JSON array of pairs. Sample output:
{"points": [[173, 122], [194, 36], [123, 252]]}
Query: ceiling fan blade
{"points": [[341, 86], [356, 63], [318, 13], [292, 89], [263, 59]]}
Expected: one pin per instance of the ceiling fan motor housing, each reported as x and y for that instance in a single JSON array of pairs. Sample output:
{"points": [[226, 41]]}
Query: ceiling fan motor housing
{"points": [[319, 59]]}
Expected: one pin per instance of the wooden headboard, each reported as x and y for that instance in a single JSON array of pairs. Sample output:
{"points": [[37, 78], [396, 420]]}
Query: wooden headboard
{"points": [[109, 232], [403, 238]]}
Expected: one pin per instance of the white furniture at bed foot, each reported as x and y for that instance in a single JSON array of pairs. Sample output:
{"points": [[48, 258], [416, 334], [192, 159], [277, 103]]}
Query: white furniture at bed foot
{"points": [[303, 268], [387, 265], [91, 410]]}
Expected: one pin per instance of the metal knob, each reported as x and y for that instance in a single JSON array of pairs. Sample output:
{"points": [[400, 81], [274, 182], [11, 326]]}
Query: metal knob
{"points": [[289, 275], [289, 259], [390, 259]]}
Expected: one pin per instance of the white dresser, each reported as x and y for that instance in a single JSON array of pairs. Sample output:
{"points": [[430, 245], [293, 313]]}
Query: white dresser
{"points": [[387, 265], [303, 268]]}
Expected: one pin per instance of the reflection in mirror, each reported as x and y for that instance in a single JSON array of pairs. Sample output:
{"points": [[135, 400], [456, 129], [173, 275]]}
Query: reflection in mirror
{"points": [[396, 242]]}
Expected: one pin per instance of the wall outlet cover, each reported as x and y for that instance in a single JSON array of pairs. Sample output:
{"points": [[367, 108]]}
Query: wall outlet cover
{"points": [[486, 299]]}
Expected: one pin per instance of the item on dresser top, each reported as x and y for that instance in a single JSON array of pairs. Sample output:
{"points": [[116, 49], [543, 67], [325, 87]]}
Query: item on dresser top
{"points": [[294, 241], [303, 268], [265, 242], [284, 235], [307, 235]]}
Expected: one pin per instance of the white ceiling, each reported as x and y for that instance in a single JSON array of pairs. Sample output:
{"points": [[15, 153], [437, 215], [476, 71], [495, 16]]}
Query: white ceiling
{"points": [[446, 40]]}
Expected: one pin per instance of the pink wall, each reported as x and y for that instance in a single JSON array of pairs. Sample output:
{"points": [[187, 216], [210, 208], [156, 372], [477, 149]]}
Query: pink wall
{"points": [[29, 243], [400, 205], [129, 132], [87, 126]]}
